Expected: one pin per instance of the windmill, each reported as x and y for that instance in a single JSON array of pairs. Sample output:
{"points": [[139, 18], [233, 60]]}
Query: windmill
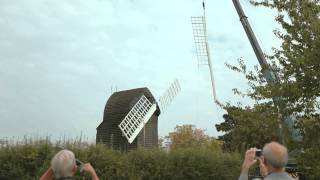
{"points": [[202, 46], [131, 118], [142, 111]]}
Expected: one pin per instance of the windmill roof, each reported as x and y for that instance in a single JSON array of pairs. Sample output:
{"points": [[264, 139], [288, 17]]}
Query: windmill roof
{"points": [[120, 103]]}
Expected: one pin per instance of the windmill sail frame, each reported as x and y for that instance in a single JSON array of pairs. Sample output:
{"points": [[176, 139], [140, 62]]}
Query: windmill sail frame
{"points": [[137, 117], [202, 46], [169, 95]]}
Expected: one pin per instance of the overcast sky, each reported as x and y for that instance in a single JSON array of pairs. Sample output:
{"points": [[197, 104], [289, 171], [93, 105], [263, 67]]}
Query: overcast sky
{"points": [[59, 60]]}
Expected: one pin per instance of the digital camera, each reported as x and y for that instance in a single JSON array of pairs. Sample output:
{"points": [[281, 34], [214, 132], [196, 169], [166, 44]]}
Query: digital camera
{"points": [[258, 152]]}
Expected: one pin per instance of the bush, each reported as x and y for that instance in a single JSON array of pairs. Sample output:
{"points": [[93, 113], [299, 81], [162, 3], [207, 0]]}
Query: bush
{"points": [[30, 161], [203, 164], [24, 161]]}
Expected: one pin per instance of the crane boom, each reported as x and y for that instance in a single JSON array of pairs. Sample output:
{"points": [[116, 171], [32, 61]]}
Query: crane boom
{"points": [[270, 76], [267, 72]]}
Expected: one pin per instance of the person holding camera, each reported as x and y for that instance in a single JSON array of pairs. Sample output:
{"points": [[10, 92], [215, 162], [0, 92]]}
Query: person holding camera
{"points": [[63, 167], [273, 160]]}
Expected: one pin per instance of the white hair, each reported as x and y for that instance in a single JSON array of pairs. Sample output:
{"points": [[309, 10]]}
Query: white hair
{"points": [[63, 163], [276, 155]]}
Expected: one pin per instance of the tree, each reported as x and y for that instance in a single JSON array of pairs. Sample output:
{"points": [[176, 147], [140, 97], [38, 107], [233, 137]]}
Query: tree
{"points": [[186, 136], [248, 127], [297, 64], [298, 58]]}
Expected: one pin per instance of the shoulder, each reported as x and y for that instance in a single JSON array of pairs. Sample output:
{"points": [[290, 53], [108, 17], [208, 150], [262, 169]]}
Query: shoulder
{"points": [[276, 176]]}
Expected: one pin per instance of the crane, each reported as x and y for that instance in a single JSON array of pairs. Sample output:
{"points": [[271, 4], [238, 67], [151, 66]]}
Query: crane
{"points": [[270, 76]]}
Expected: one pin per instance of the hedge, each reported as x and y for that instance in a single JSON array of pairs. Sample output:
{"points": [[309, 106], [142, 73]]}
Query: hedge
{"points": [[30, 161]]}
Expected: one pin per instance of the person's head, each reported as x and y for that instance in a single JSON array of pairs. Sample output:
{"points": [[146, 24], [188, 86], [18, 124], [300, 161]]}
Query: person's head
{"points": [[63, 164], [275, 156]]}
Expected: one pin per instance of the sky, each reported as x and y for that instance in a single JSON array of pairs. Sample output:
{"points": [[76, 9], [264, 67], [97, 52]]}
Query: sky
{"points": [[61, 60]]}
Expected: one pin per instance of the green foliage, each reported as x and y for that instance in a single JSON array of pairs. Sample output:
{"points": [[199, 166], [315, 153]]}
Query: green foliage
{"points": [[308, 163], [298, 57], [24, 161], [109, 163], [309, 159], [30, 161], [249, 127], [147, 164], [203, 164], [297, 91]]}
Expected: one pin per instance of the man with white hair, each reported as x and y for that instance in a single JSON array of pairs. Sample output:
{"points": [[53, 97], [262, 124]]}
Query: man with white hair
{"points": [[63, 167], [272, 162]]}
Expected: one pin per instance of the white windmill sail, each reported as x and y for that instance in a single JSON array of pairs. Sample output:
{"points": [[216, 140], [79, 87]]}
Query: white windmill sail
{"points": [[169, 95], [202, 47], [137, 117], [143, 110]]}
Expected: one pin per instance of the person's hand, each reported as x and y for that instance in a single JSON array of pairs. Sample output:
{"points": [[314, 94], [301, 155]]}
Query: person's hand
{"points": [[48, 175], [87, 168], [263, 168], [249, 160]]}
